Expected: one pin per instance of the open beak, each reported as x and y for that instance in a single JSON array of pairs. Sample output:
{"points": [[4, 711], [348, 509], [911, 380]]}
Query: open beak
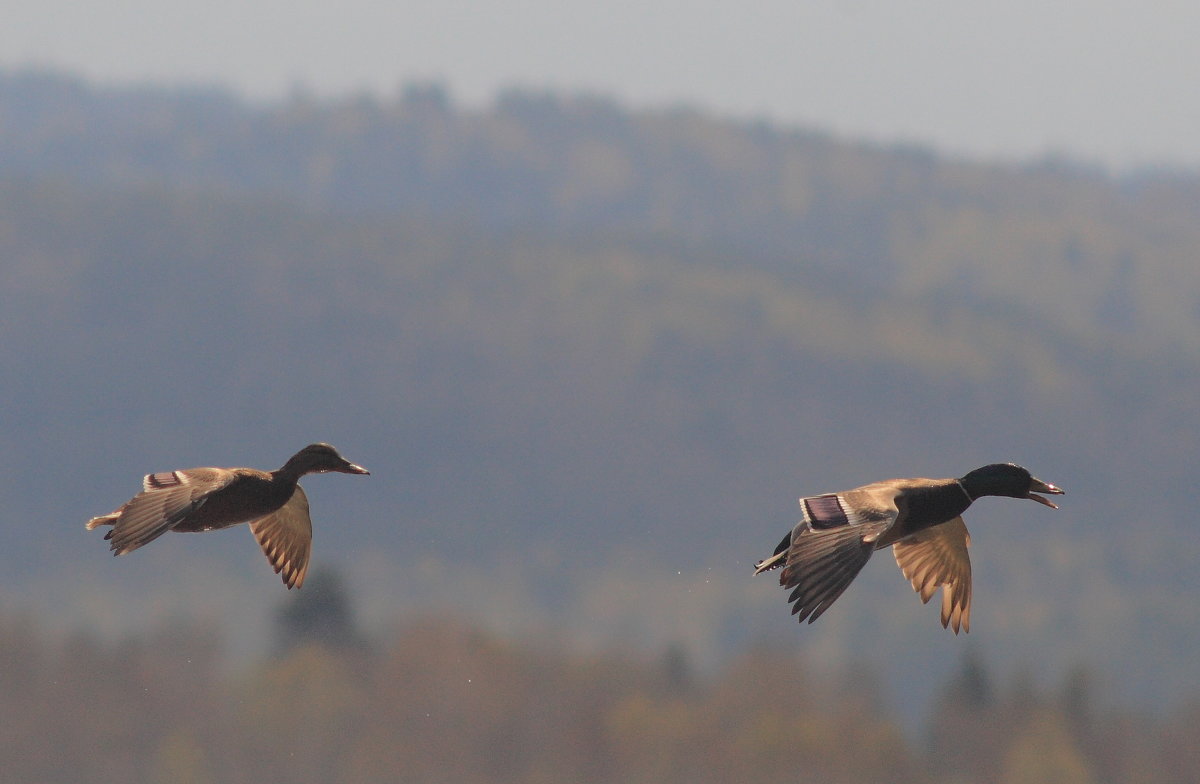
{"points": [[1038, 486], [351, 468]]}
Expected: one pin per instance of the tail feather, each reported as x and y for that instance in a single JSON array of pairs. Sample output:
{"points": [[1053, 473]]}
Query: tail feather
{"points": [[777, 560], [774, 562], [107, 519]]}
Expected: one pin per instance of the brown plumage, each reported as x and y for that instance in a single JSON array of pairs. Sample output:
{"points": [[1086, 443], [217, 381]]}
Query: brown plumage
{"points": [[919, 518], [205, 499]]}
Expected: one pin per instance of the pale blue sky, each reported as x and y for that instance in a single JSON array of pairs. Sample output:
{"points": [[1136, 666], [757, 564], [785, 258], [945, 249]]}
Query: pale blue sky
{"points": [[1100, 80]]}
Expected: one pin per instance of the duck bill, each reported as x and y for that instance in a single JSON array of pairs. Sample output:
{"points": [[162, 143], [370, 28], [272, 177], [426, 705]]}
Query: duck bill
{"points": [[351, 468], [1038, 486]]}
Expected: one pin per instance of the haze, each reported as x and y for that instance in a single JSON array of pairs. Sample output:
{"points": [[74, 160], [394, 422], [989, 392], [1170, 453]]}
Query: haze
{"points": [[1097, 82]]}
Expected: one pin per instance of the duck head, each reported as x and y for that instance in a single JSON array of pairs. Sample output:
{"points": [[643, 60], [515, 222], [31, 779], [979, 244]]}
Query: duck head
{"points": [[1008, 479], [320, 459]]}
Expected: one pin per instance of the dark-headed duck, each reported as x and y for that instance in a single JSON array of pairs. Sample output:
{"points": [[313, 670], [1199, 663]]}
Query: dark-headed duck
{"points": [[205, 499], [921, 520]]}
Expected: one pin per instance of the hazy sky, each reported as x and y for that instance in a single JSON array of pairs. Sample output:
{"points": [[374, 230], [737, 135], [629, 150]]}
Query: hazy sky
{"points": [[1101, 80]]}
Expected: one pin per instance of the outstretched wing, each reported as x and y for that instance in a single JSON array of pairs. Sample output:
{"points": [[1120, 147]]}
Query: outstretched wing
{"points": [[937, 557], [166, 499], [821, 564], [832, 544], [285, 536]]}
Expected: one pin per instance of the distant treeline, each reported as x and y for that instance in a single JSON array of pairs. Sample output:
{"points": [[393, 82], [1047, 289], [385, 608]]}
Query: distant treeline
{"points": [[440, 701]]}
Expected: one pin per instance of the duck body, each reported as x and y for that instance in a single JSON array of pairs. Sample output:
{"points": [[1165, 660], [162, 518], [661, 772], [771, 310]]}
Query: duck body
{"points": [[927, 503], [246, 494], [921, 519], [194, 500]]}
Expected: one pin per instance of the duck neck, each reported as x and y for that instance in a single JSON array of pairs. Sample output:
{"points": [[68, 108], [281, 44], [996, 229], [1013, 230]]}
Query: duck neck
{"points": [[291, 472], [936, 504]]}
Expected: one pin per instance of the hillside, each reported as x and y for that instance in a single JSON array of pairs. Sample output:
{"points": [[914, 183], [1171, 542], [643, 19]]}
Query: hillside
{"points": [[592, 357]]}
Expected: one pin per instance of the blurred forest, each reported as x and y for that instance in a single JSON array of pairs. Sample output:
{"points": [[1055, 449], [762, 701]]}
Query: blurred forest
{"points": [[591, 356], [441, 701]]}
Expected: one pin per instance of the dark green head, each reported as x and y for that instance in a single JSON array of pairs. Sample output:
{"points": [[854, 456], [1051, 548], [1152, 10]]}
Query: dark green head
{"points": [[1008, 479]]}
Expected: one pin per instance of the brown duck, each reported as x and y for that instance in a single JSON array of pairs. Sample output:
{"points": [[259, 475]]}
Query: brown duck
{"points": [[205, 499], [920, 518]]}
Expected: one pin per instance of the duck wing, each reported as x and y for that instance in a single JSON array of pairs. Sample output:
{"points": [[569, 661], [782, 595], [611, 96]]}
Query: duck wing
{"points": [[937, 557], [822, 564], [285, 536], [166, 500], [832, 544]]}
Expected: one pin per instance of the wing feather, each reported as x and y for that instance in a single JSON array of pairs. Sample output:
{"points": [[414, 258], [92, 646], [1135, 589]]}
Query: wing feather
{"points": [[166, 500], [285, 537], [830, 545], [822, 564], [935, 558]]}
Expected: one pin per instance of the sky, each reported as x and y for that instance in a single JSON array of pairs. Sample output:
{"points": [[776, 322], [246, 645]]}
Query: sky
{"points": [[1100, 81]]}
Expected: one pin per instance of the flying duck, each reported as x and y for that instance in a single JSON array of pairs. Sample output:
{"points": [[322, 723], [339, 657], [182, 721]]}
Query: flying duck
{"points": [[920, 518], [205, 499]]}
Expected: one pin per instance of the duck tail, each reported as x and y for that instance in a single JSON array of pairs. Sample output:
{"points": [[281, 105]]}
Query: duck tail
{"points": [[107, 519], [777, 559], [774, 562]]}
